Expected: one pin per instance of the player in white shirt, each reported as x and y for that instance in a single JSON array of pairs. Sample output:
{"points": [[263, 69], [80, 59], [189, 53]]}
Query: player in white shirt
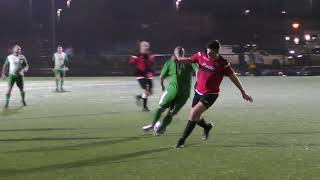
{"points": [[60, 59], [15, 65]]}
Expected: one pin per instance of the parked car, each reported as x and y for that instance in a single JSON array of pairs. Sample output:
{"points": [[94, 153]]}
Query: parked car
{"points": [[262, 57], [309, 71], [315, 56], [291, 70]]}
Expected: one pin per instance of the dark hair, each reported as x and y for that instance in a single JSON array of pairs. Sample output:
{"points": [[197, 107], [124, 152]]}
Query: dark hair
{"points": [[180, 49], [59, 46], [214, 45], [16, 45]]}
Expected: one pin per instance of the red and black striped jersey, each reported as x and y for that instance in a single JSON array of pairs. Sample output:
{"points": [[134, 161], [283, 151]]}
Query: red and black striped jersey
{"points": [[143, 64]]}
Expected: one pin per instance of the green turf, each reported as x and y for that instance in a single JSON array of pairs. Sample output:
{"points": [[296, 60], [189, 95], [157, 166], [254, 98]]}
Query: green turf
{"points": [[94, 132]]}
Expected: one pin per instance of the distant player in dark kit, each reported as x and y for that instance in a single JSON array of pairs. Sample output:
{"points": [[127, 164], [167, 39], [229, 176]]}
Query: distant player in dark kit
{"points": [[212, 68], [177, 92], [16, 64], [143, 63]]}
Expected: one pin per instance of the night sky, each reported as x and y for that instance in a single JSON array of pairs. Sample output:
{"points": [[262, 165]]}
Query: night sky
{"points": [[116, 25]]}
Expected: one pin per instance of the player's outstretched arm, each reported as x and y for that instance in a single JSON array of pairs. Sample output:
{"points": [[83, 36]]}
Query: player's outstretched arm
{"points": [[26, 65], [184, 60], [234, 78]]}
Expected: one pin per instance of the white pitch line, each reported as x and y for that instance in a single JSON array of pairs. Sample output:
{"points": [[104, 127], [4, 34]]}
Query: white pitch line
{"points": [[79, 85]]}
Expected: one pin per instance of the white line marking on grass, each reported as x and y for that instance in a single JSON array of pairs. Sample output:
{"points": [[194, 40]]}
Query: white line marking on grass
{"points": [[72, 86]]}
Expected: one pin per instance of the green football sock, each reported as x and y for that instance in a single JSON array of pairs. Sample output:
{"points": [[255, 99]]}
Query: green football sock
{"points": [[7, 100], [156, 116], [57, 83], [166, 121], [61, 84]]}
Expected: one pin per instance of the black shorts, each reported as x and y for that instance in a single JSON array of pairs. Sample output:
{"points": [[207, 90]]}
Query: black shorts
{"points": [[207, 99], [146, 83]]}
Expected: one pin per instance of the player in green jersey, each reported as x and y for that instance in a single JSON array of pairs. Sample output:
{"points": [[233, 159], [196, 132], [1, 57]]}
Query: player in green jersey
{"points": [[16, 64], [60, 59], [177, 92]]}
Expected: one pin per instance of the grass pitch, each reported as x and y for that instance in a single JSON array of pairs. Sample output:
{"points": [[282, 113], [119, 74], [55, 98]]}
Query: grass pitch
{"points": [[94, 132]]}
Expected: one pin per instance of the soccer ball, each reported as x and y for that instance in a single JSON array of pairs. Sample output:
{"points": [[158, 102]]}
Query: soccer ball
{"points": [[157, 126]]}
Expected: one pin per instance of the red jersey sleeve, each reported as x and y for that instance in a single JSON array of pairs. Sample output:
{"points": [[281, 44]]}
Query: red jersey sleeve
{"points": [[229, 70], [227, 67], [133, 59], [195, 57], [152, 58]]}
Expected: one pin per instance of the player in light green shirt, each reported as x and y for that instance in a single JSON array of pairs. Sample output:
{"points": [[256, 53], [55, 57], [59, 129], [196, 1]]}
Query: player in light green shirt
{"points": [[177, 92], [60, 59], [16, 64]]}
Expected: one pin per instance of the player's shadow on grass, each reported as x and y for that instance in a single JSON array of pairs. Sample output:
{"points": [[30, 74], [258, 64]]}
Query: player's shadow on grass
{"points": [[97, 161], [101, 143], [61, 92], [10, 111]]}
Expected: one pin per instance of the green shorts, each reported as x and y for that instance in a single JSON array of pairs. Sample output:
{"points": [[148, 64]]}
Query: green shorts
{"points": [[60, 73], [18, 79], [174, 99]]}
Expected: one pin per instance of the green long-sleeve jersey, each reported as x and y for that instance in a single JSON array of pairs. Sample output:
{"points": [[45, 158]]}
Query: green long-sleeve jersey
{"points": [[180, 74]]}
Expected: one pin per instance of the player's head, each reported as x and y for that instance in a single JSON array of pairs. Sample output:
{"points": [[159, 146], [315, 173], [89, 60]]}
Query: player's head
{"points": [[213, 47], [144, 47], [179, 52], [59, 49], [254, 49], [16, 49]]}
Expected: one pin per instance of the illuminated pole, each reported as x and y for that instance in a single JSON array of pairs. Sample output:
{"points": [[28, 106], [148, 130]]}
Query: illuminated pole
{"points": [[53, 25], [69, 3], [177, 4], [59, 14]]}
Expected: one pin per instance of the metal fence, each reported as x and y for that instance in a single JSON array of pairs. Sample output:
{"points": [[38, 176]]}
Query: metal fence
{"points": [[118, 65]]}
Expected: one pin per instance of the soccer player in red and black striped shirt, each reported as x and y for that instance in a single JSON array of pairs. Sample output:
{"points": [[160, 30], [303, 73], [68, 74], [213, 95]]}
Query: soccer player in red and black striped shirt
{"points": [[143, 63], [212, 68]]}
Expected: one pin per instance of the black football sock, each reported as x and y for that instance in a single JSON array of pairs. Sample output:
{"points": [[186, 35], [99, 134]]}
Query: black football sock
{"points": [[188, 130], [166, 121], [145, 102], [202, 123], [139, 96]]}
